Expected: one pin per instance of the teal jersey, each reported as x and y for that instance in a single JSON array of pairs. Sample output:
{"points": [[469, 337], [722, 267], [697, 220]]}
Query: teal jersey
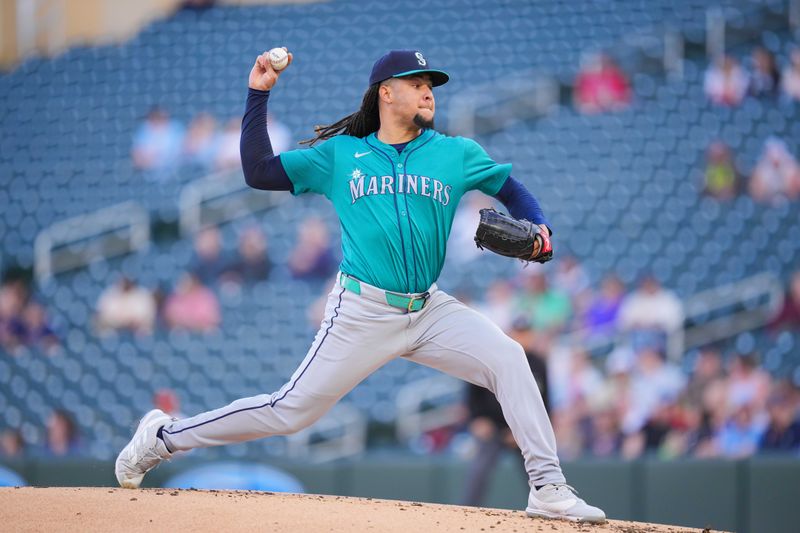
{"points": [[395, 209]]}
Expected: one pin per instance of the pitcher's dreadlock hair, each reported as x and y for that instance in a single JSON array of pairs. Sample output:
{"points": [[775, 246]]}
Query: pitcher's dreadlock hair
{"points": [[359, 124]]}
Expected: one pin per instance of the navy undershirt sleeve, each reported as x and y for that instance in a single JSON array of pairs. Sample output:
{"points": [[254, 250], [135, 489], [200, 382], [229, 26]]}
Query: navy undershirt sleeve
{"points": [[262, 169], [520, 202]]}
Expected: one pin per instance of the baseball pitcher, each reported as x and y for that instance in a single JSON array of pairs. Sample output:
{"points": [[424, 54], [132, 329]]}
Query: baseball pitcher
{"points": [[395, 183]]}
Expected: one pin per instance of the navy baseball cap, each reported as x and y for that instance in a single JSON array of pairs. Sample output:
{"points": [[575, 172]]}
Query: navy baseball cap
{"points": [[399, 63]]}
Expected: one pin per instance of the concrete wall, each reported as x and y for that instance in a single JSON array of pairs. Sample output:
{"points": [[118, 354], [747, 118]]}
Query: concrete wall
{"points": [[749, 496]]}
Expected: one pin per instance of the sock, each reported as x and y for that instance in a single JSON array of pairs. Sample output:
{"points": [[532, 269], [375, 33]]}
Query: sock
{"points": [[160, 435]]}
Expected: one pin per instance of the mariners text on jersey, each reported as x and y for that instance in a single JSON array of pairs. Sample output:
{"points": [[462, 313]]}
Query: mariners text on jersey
{"points": [[395, 208], [403, 184]]}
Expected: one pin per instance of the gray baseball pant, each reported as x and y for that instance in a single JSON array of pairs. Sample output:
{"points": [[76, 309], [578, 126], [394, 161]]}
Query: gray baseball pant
{"points": [[359, 334]]}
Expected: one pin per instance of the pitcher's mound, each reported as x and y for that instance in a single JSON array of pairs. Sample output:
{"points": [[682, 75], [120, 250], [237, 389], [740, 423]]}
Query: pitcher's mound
{"points": [[148, 510]]}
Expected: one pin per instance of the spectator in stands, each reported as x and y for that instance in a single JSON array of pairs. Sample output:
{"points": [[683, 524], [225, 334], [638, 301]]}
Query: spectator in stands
{"points": [[63, 438], [209, 262], [200, 143], [167, 400], [783, 431], [722, 179], [653, 433], [713, 414], [748, 383], [601, 316], [601, 86], [703, 443], [726, 82], [655, 386], [584, 382], [192, 306], [707, 372], [227, 157], [315, 312], [741, 434], [777, 174], [12, 444], [23, 321], [38, 331], [571, 278], [765, 78], [497, 303], [313, 257], [604, 438], [126, 306], [576, 387], [252, 263], [547, 309], [488, 425], [789, 315], [790, 80], [157, 144], [13, 296], [684, 428], [489, 429], [279, 135], [461, 247], [650, 314]]}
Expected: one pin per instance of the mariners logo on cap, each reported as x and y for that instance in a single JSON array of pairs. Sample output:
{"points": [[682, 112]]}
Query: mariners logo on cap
{"points": [[400, 63]]}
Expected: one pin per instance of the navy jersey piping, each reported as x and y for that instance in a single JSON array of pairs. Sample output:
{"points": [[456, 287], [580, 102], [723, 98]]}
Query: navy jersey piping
{"points": [[396, 209], [408, 211]]}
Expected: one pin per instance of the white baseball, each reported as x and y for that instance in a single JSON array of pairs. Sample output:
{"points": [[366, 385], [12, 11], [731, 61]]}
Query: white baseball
{"points": [[278, 58]]}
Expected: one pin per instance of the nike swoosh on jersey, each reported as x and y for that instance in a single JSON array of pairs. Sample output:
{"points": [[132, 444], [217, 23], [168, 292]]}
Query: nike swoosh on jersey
{"points": [[357, 155]]}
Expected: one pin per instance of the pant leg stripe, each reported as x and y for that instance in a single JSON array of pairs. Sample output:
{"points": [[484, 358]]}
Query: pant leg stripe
{"points": [[271, 403]]}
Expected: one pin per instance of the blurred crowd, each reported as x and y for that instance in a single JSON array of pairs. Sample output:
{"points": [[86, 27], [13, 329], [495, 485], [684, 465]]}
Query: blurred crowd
{"points": [[61, 436], [193, 303], [635, 400], [728, 82], [641, 403], [23, 320], [638, 400], [600, 86], [775, 178], [162, 144]]}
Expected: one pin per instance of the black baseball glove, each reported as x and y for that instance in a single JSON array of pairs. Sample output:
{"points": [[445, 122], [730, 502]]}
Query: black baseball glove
{"points": [[505, 235]]}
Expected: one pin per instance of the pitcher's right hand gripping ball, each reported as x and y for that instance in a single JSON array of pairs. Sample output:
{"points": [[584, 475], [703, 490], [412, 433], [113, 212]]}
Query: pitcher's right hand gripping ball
{"points": [[264, 75], [505, 235]]}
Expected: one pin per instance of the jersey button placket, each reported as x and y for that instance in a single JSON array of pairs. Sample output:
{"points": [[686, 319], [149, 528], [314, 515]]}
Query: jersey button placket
{"points": [[399, 171], [410, 249]]}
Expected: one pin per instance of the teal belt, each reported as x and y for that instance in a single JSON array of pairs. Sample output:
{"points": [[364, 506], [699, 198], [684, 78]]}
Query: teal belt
{"points": [[411, 304]]}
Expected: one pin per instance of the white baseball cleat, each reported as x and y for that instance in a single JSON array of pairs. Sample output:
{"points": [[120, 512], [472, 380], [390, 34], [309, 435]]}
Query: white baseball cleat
{"points": [[561, 501], [144, 452]]}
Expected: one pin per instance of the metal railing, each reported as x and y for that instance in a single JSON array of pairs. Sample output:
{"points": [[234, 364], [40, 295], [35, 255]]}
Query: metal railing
{"points": [[428, 404], [77, 241], [725, 311], [219, 198], [711, 315], [496, 105], [341, 433]]}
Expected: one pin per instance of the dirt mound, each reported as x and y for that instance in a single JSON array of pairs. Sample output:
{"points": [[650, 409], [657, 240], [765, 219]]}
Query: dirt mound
{"points": [[107, 509]]}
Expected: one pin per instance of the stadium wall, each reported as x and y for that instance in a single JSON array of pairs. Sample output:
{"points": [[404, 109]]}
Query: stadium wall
{"points": [[752, 495]]}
